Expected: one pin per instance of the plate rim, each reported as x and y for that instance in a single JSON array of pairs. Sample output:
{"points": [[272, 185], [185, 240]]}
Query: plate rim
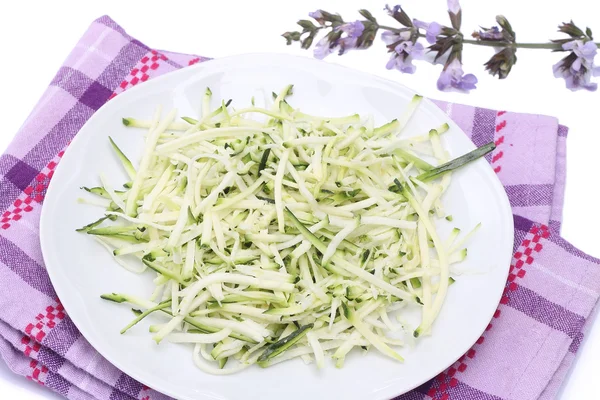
{"points": [[384, 393]]}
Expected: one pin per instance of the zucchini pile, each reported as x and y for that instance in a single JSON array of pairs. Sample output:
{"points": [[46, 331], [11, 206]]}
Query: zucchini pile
{"points": [[274, 234]]}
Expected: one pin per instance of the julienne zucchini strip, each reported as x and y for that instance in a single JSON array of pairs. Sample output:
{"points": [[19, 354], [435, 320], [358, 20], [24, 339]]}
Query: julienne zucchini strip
{"points": [[274, 234]]}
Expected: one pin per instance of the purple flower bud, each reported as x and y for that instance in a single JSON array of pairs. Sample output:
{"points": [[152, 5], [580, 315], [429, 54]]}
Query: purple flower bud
{"points": [[432, 30], [453, 6], [455, 14], [490, 34], [392, 11], [399, 15], [453, 77], [578, 68], [317, 16]]}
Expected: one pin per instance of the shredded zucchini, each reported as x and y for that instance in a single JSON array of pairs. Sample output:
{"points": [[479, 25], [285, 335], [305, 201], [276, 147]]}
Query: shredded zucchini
{"points": [[275, 234]]}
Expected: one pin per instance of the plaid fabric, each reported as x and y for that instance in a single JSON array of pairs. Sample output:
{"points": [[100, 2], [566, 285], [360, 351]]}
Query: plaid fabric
{"points": [[524, 354]]}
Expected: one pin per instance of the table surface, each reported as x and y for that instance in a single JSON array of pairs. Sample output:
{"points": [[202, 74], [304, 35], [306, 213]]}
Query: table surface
{"points": [[38, 36]]}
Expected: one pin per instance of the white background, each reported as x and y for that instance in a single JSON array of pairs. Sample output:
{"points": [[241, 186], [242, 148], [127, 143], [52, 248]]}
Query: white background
{"points": [[36, 36]]}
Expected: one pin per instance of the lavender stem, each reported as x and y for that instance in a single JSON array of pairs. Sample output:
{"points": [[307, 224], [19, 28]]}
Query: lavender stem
{"points": [[545, 46], [389, 28]]}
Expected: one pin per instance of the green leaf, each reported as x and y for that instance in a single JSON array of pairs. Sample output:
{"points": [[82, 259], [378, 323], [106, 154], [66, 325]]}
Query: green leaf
{"points": [[307, 42], [307, 25], [367, 14]]}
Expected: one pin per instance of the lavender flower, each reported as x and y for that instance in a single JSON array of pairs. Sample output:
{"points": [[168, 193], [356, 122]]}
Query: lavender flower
{"points": [[432, 29], [578, 67], [404, 48], [585, 53], [353, 31], [323, 48], [403, 56], [453, 77], [335, 39]]}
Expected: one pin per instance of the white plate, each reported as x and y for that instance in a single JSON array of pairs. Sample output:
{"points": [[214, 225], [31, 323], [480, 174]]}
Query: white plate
{"points": [[81, 270]]}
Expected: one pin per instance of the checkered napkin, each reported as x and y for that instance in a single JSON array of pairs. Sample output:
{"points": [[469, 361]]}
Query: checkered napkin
{"points": [[524, 353]]}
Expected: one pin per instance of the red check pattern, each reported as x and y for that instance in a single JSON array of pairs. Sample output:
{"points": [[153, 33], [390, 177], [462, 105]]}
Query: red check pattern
{"points": [[44, 321], [498, 153], [39, 372], [151, 61], [32, 195], [35, 332]]}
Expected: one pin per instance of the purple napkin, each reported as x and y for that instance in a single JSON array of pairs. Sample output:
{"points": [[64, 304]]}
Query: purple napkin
{"points": [[524, 354]]}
